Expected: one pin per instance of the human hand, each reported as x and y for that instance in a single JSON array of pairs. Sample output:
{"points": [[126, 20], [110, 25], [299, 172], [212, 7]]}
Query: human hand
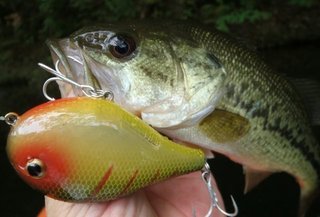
{"points": [[177, 197]]}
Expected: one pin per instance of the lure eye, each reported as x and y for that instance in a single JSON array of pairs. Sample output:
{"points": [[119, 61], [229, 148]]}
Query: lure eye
{"points": [[121, 46], [35, 168]]}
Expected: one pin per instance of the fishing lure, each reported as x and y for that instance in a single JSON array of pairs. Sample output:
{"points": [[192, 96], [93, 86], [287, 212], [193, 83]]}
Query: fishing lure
{"points": [[82, 149], [90, 149]]}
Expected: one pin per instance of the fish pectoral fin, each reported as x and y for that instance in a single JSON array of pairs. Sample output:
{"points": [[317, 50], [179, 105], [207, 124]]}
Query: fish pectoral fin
{"points": [[253, 178], [224, 127]]}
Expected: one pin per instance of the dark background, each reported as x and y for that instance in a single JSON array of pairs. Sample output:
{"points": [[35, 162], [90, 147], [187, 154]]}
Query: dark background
{"points": [[285, 33]]}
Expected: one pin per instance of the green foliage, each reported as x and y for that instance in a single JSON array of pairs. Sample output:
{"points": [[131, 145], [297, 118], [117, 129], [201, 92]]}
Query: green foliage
{"points": [[6, 51], [241, 16], [55, 18], [33, 21], [303, 3], [225, 12]]}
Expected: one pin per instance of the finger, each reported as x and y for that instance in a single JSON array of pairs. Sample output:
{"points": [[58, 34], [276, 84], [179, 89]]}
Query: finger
{"points": [[131, 206], [55, 208]]}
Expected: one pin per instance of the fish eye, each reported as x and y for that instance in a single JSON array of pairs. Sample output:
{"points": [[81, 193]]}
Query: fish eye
{"points": [[35, 168], [121, 46]]}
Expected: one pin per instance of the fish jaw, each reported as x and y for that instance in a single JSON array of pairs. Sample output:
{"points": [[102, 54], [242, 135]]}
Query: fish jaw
{"points": [[58, 56], [73, 63]]}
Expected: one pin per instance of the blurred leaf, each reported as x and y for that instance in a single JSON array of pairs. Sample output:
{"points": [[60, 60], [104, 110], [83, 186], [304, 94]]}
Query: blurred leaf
{"points": [[303, 3]]}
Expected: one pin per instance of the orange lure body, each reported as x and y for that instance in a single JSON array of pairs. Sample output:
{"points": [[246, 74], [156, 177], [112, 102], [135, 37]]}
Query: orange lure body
{"points": [[85, 149]]}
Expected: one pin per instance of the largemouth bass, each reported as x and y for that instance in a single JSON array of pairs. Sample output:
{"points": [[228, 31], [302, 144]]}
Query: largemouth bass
{"points": [[201, 87]]}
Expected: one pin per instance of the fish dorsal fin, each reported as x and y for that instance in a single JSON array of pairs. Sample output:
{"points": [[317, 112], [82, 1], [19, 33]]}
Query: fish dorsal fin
{"points": [[310, 94], [253, 178], [224, 127]]}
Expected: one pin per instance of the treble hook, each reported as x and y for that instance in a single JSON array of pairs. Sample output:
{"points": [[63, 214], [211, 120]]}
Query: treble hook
{"points": [[206, 177], [87, 90]]}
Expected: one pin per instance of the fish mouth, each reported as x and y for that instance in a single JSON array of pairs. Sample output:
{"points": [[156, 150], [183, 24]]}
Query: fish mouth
{"points": [[72, 62]]}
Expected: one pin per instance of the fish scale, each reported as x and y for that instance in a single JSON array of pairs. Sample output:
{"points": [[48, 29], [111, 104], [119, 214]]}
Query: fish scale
{"points": [[200, 86], [282, 132]]}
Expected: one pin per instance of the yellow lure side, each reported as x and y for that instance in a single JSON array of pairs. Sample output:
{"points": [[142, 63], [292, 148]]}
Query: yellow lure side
{"points": [[85, 149]]}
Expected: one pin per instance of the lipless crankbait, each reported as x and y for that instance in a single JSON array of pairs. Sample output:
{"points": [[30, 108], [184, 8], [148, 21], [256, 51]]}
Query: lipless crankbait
{"points": [[84, 149]]}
